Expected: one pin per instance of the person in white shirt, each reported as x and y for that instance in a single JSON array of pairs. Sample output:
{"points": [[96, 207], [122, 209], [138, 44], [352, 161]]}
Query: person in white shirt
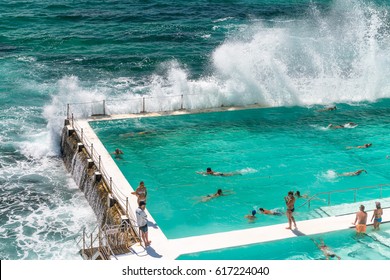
{"points": [[142, 221]]}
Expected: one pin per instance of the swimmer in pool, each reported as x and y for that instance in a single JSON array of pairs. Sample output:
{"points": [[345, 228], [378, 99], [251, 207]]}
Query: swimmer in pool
{"points": [[118, 153], [209, 171], [298, 195], [362, 146], [354, 173], [251, 217], [215, 195], [270, 212], [325, 249]]}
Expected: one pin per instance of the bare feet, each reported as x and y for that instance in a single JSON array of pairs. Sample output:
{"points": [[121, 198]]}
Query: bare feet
{"points": [[288, 227]]}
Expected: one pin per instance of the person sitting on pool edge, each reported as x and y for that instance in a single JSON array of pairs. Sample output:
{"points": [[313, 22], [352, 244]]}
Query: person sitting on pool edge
{"points": [[251, 217], [270, 212], [209, 171]]}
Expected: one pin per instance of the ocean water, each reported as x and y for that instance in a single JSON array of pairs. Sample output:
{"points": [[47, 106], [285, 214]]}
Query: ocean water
{"points": [[277, 53]]}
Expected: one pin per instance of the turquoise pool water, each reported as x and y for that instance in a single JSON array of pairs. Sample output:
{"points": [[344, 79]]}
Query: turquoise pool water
{"points": [[346, 244], [275, 150]]}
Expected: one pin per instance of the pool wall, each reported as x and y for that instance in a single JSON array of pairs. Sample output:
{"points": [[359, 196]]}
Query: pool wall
{"points": [[85, 174]]}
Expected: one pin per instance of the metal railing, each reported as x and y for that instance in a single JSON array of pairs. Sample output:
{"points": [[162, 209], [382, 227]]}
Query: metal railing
{"points": [[353, 190], [103, 239], [96, 157], [147, 103]]}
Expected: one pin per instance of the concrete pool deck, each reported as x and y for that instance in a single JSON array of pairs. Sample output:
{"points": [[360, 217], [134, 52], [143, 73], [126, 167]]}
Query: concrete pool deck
{"points": [[170, 249]]}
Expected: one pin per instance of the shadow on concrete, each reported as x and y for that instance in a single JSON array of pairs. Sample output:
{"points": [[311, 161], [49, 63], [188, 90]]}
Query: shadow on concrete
{"points": [[151, 252]]}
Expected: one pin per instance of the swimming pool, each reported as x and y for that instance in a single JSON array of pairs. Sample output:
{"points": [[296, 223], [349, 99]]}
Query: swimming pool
{"points": [[345, 243], [275, 150]]}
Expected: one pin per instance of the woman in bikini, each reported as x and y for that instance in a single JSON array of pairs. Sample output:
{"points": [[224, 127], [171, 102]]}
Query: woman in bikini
{"points": [[140, 192], [377, 215]]}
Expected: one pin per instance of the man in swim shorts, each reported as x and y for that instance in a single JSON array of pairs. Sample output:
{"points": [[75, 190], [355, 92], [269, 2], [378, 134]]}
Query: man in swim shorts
{"points": [[361, 220]]}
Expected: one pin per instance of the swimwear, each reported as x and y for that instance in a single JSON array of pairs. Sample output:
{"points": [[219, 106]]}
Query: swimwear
{"points": [[291, 210], [379, 220], [361, 228]]}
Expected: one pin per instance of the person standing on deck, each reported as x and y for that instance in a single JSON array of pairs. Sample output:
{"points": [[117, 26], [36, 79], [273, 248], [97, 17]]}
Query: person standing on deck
{"points": [[377, 215], [142, 221], [290, 201], [140, 192], [361, 220]]}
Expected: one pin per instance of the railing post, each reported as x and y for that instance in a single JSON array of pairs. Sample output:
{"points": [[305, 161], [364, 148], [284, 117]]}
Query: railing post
{"points": [[91, 242], [82, 135], [181, 105], [72, 121], [92, 151], [143, 105], [127, 206], [99, 162], [104, 107], [99, 236], [328, 198], [83, 240], [111, 184], [67, 110]]}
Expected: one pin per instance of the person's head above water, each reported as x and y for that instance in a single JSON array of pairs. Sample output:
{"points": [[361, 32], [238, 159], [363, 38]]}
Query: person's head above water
{"points": [[208, 170], [253, 212], [219, 191], [261, 209]]}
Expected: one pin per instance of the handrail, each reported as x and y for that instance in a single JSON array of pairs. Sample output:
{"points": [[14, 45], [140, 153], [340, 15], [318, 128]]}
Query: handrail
{"points": [[138, 104], [329, 193]]}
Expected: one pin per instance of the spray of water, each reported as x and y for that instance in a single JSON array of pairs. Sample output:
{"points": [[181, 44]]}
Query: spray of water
{"points": [[337, 56]]}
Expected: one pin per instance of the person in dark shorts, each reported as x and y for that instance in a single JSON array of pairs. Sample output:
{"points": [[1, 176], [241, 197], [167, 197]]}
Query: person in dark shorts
{"points": [[290, 201], [142, 221]]}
